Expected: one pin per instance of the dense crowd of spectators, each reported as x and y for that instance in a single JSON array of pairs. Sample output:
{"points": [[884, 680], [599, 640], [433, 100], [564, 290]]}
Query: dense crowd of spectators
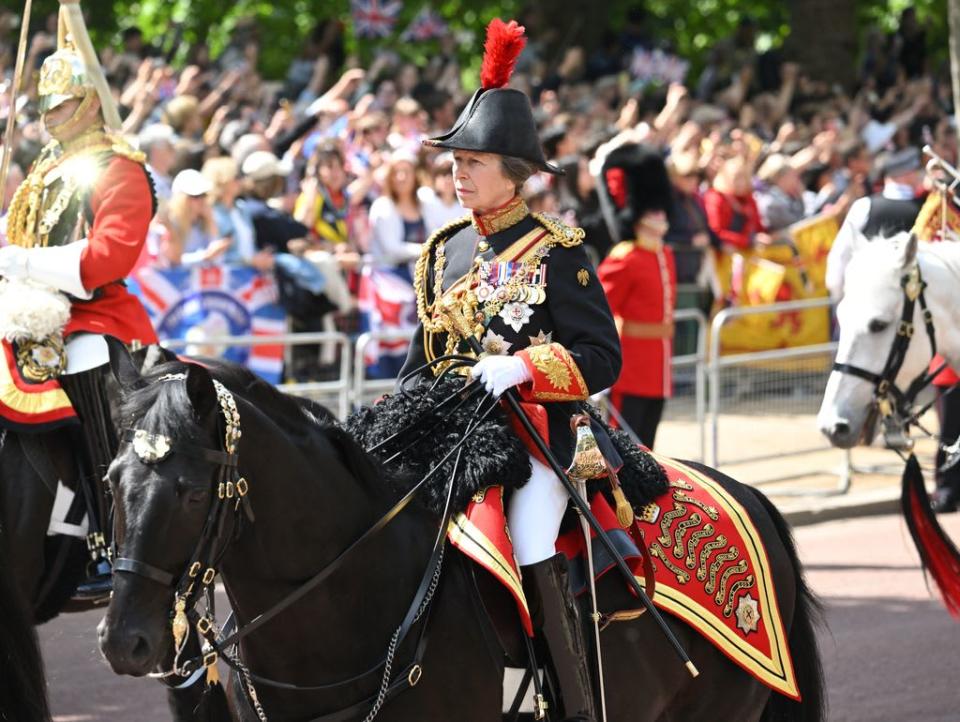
{"points": [[323, 175]]}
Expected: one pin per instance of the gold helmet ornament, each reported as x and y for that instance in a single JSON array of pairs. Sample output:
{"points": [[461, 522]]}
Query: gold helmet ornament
{"points": [[73, 71]]}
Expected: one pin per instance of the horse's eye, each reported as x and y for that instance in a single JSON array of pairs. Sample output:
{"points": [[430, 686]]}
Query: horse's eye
{"points": [[876, 325]]}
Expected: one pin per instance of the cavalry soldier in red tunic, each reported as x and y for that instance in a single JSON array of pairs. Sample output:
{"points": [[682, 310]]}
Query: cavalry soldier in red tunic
{"points": [[77, 225], [640, 278], [542, 318]]}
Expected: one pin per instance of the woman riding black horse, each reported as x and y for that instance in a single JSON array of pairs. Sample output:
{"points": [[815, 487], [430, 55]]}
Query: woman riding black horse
{"points": [[530, 296], [312, 493]]}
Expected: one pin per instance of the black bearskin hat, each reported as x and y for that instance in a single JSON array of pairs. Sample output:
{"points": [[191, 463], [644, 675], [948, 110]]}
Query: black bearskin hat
{"points": [[498, 119], [633, 180]]}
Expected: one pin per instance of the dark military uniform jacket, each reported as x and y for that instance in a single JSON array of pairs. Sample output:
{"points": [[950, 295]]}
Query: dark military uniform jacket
{"points": [[526, 283]]}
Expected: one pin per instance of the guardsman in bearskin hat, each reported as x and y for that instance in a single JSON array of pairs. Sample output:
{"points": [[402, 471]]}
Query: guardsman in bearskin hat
{"points": [[639, 276], [77, 225], [540, 314]]}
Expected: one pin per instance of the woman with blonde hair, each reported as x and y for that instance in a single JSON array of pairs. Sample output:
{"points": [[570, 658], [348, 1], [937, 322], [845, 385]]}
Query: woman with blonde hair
{"points": [[193, 236], [397, 225], [232, 221]]}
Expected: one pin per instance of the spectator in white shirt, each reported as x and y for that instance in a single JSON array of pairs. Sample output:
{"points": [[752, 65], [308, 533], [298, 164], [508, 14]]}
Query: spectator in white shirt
{"points": [[439, 200]]}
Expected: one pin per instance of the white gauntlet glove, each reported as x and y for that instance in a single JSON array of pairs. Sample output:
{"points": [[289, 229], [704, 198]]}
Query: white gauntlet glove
{"points": [[54, 266], [499, 373]]}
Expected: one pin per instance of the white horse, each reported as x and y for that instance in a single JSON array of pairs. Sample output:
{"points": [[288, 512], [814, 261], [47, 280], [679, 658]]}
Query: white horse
{"points": [[883, 356], [869, 316]]}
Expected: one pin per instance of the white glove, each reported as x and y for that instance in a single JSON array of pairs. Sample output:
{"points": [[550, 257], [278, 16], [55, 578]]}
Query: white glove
{"points": [[499, 373], [54, 266], [13, 262]]}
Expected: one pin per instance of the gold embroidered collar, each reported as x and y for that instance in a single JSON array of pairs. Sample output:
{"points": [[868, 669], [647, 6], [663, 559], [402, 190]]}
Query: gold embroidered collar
{"points": [[502, 218]]}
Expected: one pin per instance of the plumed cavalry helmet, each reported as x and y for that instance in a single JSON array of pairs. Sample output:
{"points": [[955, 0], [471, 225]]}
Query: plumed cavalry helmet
{"points": [[633, 180], [498, 119], [74, 71]]}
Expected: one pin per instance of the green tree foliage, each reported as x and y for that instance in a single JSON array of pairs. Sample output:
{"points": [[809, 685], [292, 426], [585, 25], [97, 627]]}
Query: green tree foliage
{"points": [[689, 26]]}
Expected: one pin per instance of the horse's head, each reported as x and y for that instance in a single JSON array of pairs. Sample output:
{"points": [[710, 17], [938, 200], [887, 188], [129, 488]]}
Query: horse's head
{"points": [[869, 316], [162, 497]]}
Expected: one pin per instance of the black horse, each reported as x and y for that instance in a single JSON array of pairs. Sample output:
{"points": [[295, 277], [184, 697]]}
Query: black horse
{"points": [[314, 491], [40, 572]]}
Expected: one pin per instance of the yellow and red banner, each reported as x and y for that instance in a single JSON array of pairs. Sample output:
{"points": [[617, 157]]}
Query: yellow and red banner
{"points": [[778, 273]]}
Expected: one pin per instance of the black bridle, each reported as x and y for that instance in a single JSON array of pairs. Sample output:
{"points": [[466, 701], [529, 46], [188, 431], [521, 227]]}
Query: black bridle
{"points": [[222, 526], [889, 400]]}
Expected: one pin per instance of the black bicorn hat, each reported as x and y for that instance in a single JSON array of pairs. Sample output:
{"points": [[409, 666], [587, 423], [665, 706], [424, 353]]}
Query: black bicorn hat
{"points": [[633, 180], [498, 119]]}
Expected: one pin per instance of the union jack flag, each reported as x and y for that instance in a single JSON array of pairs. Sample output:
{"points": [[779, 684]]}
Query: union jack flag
{"points": [[374, 18], [202, 303], [426, 26]]}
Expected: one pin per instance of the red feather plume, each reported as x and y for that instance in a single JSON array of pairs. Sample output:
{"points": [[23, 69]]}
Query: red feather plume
{"points": [[505, 42]]}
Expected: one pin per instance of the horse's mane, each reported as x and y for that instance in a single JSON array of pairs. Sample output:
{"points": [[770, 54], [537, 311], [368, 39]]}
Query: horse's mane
{"points": [[165, 408]]}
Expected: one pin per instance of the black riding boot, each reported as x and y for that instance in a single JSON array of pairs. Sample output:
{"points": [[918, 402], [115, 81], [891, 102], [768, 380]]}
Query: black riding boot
{"points": [[96, 440], [556, 617]]}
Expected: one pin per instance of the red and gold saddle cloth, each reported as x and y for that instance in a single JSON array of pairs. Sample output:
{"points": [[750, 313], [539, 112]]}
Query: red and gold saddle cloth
{"points": [[31, 398], [710, 566]]}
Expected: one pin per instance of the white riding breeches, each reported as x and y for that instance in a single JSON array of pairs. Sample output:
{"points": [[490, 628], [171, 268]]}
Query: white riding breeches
{"points": [[86, 351], [534, 516]]}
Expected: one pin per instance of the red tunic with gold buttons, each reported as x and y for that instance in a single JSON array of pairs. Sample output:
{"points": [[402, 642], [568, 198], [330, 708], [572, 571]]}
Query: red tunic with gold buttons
{"points": [[121, 205], [640, 280]]}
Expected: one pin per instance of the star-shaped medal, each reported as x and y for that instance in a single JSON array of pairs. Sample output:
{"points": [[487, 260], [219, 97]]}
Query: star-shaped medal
{"points": [[541, 339], [495, 344], [516, 315], [748, 614]]}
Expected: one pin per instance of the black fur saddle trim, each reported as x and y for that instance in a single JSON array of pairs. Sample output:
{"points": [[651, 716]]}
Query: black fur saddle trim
{"points": [[492, 454]]}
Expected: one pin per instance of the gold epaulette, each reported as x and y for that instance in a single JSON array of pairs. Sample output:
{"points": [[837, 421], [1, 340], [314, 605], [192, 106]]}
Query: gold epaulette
{"points": [[563, 234], [621, 249], [122, 148], [422, 270]]}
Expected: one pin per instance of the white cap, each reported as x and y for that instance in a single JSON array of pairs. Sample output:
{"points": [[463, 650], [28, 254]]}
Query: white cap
{"points": [[156, 133], [262, 164], [192, 183]]}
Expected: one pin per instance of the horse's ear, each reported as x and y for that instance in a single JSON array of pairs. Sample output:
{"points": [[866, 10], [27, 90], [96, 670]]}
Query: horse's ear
{"points": [[200, 390], [910, 251], [123, 365]]}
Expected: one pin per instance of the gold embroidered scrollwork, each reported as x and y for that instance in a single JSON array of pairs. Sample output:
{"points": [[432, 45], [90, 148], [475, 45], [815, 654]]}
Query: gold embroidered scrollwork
{"points": [[667, 519], [657, 552], [727, 556], [710, 511], [748, 582], [681, 530], [738, 568], [695, 539], [708, 549]]}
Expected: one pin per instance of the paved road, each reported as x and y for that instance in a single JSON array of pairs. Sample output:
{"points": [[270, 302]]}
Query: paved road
{"points": [[891, 652]]}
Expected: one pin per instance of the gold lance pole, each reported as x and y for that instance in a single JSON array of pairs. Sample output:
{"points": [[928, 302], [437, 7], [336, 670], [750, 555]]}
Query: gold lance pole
{"points": [[14, 92]]}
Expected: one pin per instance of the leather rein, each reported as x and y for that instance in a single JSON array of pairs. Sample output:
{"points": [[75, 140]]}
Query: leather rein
{"points": [[224, 523], [892, 403]]}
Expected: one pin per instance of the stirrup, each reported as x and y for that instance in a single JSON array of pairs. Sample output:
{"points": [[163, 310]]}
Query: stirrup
{"points": [[97, 586]]}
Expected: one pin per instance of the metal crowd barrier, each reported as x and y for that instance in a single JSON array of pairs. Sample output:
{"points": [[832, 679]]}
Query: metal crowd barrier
{"points": [[338, 390], [783, 381], [708, 387]]}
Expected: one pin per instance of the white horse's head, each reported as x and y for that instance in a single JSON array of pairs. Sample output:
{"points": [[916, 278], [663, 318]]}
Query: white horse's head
{"points": [[868, 317]]}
